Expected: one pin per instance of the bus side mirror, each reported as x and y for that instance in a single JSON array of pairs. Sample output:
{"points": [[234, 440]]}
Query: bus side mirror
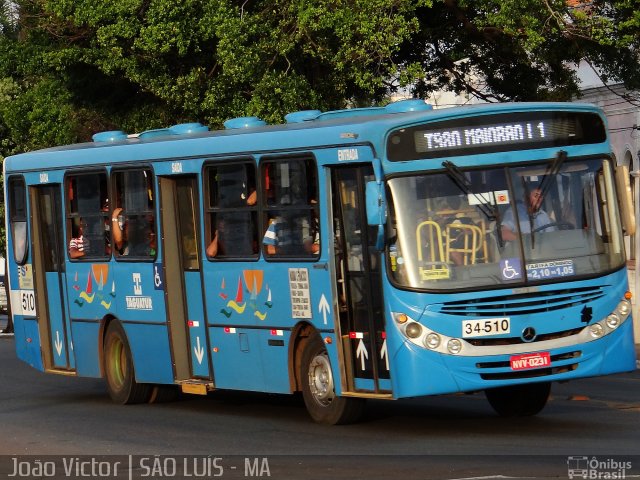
{"points": [[625, 199], [376, 210]]}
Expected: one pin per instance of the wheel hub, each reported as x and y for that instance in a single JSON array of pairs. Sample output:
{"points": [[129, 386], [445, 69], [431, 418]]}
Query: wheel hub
{"points": [[321, 380]]}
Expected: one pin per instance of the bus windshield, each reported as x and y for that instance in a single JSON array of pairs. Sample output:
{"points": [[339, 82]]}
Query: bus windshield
{"points": [[513, 225]]}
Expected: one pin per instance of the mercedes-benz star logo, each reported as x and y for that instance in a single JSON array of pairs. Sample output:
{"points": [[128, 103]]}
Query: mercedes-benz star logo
{"points": [[529, 334]]}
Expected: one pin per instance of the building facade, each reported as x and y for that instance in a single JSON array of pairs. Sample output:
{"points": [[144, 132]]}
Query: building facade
{"points": [[623, 116]]}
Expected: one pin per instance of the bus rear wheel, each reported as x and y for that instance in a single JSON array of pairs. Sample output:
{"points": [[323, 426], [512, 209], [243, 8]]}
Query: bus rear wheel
{"points": [[519, 400], [118, 368], [318, 388]]}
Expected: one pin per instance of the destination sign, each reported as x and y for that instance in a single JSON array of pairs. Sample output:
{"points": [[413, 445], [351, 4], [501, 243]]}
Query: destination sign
{"points": [[496, 133], [490, 135]]}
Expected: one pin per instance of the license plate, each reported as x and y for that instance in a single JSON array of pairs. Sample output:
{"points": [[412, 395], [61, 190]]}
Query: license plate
{"points": [[485, 327], [530, 360]]}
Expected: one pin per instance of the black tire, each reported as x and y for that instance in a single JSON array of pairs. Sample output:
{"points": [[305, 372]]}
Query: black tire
{"points": [[119, 370], [318, 391], [519, 400]]}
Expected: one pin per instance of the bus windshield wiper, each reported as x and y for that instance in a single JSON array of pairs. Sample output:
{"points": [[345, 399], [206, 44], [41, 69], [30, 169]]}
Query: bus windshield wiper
{"points": [[489, 209], [552, 170], [491, 212]]}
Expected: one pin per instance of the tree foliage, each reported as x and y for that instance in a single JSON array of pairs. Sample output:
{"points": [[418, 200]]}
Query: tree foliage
{"points": [[69, 68]]}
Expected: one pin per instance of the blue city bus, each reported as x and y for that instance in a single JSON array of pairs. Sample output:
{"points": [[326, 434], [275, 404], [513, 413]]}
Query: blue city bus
{"points": [[385, 253]]}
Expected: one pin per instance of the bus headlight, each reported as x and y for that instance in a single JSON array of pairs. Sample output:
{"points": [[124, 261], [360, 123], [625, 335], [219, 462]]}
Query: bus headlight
{"points": [[454, 346], [423, 336], [432, 341], [596, 330], [613, 321], [624, 308], [413, 330]]}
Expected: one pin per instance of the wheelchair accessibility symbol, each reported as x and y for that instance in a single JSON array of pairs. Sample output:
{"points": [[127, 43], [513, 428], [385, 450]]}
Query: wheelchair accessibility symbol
{"points": [[158, 276], [511, 269]]}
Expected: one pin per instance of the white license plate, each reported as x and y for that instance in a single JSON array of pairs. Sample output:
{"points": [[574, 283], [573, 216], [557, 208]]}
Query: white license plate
{"points": [[485, 327], [530, 360]]}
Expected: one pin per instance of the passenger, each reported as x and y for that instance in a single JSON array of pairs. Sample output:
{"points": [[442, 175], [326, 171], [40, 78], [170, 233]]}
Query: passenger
{"points": [[275, 236], [312, 244], [252, 198], [118, 226], [460, 238], [215, 247], [311, 241], [79, 245], [107, 228], [136, 240]]}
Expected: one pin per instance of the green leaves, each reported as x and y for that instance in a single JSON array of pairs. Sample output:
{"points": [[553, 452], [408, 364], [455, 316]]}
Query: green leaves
{"points": [[78, 65]]}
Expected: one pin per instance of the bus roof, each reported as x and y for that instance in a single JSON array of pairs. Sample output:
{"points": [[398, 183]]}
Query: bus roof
{"points": [[309, 130]]}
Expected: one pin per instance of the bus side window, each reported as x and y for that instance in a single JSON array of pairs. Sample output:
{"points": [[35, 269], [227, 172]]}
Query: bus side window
{"points": [[232, 211], [291, 223], [18, 218], [133, 217], [87, 211]]}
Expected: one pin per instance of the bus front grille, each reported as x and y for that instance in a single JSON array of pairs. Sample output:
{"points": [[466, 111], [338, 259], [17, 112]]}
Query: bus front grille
{"points": [[522, 303], [542, 372]]}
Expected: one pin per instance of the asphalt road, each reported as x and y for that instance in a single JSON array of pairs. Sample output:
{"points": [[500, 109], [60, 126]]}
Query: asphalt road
{"points": [[454, 436]]}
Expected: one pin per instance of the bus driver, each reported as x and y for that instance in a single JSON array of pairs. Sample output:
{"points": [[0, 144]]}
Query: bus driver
{"points": [[529, 216]]}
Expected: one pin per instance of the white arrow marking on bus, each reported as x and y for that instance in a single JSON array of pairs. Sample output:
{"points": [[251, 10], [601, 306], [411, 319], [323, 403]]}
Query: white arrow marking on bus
{"points": [[384, 353], [361, 352], [58, 343], [199, 351], [324, 308]]}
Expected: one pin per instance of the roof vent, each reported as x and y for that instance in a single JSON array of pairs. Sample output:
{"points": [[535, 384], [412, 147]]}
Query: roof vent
{"points": [[188, 128], [244, 122], [110, 136], [302, 116], [411, 105]]}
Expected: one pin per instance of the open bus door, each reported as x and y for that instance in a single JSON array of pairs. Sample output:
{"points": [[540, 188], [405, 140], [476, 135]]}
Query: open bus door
{"points": [[48, 247], [359, 286], [183, 283]]}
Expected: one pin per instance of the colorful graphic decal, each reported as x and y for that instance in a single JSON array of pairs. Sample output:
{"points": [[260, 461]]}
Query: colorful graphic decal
{"points": [[250, 282], [98, 274]]}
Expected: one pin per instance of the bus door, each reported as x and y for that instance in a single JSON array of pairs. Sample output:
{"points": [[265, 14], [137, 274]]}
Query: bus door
{"points": [[183, 281], [48, 249], [359, 288]]}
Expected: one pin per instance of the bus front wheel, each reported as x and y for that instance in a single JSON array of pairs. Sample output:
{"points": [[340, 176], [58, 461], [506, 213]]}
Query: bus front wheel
{"points": [[318, 388], [519, 400], [118, 368]]}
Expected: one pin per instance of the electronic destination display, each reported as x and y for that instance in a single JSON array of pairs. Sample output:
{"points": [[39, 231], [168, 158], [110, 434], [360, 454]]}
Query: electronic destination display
{"points": [[496, 133]]}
